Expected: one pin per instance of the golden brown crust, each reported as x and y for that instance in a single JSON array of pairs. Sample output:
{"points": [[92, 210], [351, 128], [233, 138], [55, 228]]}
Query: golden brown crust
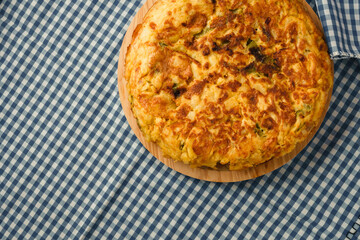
{"points": [[230, 82]]}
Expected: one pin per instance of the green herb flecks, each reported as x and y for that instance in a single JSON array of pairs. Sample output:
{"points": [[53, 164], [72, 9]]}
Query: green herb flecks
{"points": [[307, 107], [162, 44], [267, 65], [302, 112], [258, 130], [203, 31], [176, 91], [300, 127], [251, 44], [299, 113], [182, 144]]}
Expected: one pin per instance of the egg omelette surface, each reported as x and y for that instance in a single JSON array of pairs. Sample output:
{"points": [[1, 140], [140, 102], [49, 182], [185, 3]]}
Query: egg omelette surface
{"points": [[229, 83]]}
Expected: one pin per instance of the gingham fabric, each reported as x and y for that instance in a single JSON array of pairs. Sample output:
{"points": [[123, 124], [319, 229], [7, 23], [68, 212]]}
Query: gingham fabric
{"points": [[341, 23], [71, 167]]}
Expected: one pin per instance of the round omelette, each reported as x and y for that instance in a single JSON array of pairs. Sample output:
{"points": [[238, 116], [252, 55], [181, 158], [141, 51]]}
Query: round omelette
{"points": [[228, 82]]}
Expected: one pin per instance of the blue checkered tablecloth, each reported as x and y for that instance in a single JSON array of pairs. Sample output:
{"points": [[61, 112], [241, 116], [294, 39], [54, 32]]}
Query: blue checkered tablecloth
{"points": [[71, 167], [341, 22]]}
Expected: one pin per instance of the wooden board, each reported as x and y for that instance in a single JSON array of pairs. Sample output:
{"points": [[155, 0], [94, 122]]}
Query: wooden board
{"points": [[203, 174]]}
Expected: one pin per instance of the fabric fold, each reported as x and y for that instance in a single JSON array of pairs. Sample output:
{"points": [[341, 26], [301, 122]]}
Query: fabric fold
{"points": [[341, 23]]}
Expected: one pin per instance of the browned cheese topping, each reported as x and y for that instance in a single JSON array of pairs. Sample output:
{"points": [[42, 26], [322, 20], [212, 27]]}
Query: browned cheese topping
{"points": [[227, 82]]}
